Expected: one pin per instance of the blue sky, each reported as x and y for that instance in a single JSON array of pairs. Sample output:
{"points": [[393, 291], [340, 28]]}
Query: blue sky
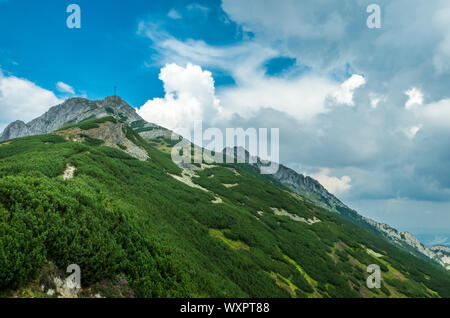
{"points": [[107, 49], [365, 111]]}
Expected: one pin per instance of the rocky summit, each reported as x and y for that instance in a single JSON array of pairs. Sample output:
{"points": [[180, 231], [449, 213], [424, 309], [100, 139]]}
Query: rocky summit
{"points": [[72, 111]]}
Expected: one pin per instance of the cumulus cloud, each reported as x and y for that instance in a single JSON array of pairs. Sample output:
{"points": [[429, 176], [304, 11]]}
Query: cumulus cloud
{"points": [[390, 147], [435, 115], [375, 99], [65, 88], [334, 185], [327, 34], [345, 93], [21, 99], [415, 98], [189, 96], [302, 96]]}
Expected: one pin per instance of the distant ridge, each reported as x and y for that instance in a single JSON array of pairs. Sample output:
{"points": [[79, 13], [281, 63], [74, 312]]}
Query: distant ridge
{"points": [[313, 191]]}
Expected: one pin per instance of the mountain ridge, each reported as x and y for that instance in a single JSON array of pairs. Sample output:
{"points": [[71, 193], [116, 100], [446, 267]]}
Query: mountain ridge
{"points": [[73, 110], [76, 110], [309, 188], [209, 230]]}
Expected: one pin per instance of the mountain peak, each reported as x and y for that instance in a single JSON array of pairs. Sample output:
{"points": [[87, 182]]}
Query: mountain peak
{"points": [[115, 99], [13, 129], [73, 110]]}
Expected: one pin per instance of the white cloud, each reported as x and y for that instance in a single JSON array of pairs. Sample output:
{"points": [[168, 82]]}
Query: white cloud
{"points": [[442, 52], [331, 39], [334, 185], [433, 115], [375, 99], [174, 14], [239, 59], [437, 114], [300, 96], [412, 131], [21, 99], [197, 7], [415, 98], [345, 93], [65, 88], [299, 18], [189, 96]]}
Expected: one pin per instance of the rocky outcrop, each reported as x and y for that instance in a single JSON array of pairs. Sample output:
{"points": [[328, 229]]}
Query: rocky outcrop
{"points": [[402, 238], [112, 134], [72, 111], [156, 132], [442, 255], [150, 131], [440, 249], [308, 188], [69, 172], [15, 130], [295, 217], [305, 186]]}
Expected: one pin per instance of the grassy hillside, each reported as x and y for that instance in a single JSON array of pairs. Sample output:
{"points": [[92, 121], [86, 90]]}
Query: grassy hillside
{"points": [[219, 231]]}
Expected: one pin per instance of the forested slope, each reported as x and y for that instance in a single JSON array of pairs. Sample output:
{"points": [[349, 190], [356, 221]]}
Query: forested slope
{"points": [[214, 231]]}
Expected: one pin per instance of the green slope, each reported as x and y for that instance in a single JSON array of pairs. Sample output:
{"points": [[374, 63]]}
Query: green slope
{"points": [[121, 217]]}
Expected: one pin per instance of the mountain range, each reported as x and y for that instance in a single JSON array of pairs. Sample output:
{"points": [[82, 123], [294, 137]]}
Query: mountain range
{"points": [[76, 110], [196, 224]]}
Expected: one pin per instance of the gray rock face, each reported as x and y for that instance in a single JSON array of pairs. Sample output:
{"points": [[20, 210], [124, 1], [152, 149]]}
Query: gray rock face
{"points": [[442, 255], [112, 134], [73, 110], [308, 187], [156, 132], [15, 130], [305, 186], [439, 254], [441, 249]]}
